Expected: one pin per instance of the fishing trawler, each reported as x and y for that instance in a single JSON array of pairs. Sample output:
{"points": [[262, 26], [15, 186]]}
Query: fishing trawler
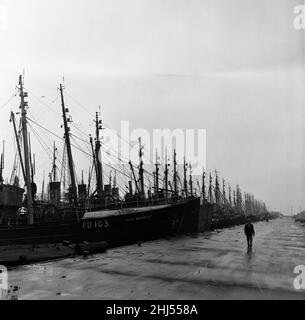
{"points": [[300, 217], [11, 195], [91, 216], [226, 208], [164, 213]]}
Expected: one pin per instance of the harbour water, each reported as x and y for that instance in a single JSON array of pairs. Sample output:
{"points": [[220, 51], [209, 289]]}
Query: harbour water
{"points": [[213, 265]]}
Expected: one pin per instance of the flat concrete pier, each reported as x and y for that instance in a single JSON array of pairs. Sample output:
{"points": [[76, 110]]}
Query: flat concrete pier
{"points": [[214, 265]]}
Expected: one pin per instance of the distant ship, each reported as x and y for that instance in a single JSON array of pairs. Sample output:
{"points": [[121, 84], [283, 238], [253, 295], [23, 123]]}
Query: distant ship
{"points": [[300, 217], [230, 208]]}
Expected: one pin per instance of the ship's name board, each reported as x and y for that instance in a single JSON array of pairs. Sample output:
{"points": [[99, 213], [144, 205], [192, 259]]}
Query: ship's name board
{"points": [[138, 218], [96, 224]]}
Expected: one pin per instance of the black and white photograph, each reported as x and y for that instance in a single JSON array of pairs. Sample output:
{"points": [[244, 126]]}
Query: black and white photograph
{"points": [[152, 151]]}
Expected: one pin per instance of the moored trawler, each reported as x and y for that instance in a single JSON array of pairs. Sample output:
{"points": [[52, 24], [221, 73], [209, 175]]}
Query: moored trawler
{"points": [[11, 197], [300, 217], [140, 223], [227, 207], [96, 211], [139, 215]]}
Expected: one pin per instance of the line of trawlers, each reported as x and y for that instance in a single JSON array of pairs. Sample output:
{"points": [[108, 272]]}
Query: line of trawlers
{"points": [[300, 217], [170, 207]]}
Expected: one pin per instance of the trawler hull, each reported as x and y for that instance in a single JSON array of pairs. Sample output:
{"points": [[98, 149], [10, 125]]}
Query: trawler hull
{"points": [[10, 197], [118, 227], [132, 225], [224, 220], [40, 234]]}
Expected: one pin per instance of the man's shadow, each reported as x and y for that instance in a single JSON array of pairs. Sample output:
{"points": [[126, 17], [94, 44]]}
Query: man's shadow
{"points": [[249, 253]]}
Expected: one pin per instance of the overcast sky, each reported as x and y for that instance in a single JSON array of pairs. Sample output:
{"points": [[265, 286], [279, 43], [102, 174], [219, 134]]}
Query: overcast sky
{"points": [[233, 67]]}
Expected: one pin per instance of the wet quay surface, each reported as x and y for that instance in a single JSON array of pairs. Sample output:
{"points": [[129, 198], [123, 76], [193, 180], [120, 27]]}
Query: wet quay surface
{"points": [[213, 265]]}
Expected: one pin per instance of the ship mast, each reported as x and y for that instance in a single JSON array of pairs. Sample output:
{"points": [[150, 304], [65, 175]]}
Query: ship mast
{"points": [[134, 176], [54, 167], [224, 191], [99, 167], [175, 175], [230, 196], [157, 173], [89, 180], [216, 188], [72, 190], [210, 189], [42, 188], [203, 186], [2, 165], [93, 155], [191, 180], [18, 144], [141, 170], [185, 180], [28, 183], [166, 176]]}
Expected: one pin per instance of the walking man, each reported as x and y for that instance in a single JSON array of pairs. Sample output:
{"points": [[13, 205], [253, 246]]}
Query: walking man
{"points": [[250, 233]]}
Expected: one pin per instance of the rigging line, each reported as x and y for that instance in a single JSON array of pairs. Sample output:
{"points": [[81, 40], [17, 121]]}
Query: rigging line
{"points": [[8, 101], [38, 138], [118, 157], [81, 131], [54, 134], [134, 146], [58, 137], [104, 151], [80, 148], [77, 178], [90, 178], [13, 175], [71, 144], [46, 106], [44, 103], [63, 179], [78, 103], [46, 137], [88, 151], [122, 139], [87, 147], [47, 145], [124, 174]]}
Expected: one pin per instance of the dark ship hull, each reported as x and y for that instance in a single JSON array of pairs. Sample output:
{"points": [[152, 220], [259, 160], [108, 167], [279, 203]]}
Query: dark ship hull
{"points": [[141, 224], [117, 227], [300, 217], [237, 220], [225, 219], [10, 198], [40, 234]]}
